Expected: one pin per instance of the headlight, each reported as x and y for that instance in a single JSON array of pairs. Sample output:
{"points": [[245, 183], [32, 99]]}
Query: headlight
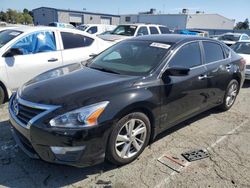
{"points": [[83, 117]]}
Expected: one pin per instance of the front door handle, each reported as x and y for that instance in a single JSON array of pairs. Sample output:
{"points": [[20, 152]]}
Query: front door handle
{"points": [[52, 60], [202, 77], [228, 67]]}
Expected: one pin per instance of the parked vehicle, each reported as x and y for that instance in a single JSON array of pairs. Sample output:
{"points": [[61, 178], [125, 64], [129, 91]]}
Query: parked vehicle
{"points": [[127, 31], [232, 38], [123, 98], [243, 49], [195, 32], [26, 52], [62, 25], [96, 29]]}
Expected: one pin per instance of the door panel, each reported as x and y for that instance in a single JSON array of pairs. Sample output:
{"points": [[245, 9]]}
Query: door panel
{"points": [[77, 47], [183, 96], [218, 71], [22, 68], [39, 54]]}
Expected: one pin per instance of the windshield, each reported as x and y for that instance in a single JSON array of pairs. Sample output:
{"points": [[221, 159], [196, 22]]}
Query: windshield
{"points": [[230, 37], [131, 57], [126, 30], [8, 35], [241, 48]]}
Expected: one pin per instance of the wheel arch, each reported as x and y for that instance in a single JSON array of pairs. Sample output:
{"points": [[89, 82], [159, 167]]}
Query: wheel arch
{"points": [[5, 91]]}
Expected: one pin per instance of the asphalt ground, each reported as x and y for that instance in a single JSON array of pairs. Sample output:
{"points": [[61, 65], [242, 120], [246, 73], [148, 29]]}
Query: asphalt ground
{"points": [[225, 136]]}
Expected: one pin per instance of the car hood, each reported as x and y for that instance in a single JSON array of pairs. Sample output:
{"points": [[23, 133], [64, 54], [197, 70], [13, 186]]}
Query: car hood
{"points": [[74, 86], [114, 38]]}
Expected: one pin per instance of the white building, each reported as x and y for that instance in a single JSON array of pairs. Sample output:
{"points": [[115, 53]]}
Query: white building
{"points": [[181, 21]]}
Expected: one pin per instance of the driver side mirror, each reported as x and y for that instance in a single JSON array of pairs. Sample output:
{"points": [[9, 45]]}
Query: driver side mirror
{"points": [[13, 52], [176, 71]]}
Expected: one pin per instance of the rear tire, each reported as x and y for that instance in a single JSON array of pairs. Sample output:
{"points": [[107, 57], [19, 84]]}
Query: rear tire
{"points": [[230, 95], [2, 95], [128, 139]]}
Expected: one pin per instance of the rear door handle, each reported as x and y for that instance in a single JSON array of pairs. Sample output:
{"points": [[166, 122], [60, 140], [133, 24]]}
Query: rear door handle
{"points": [[52, 60], [202, 77]]}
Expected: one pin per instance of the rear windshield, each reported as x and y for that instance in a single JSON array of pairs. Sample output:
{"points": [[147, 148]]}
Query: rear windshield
{"points": [[241, 48], [230, 37], [131, 57], [126, 30], [8, 35]]}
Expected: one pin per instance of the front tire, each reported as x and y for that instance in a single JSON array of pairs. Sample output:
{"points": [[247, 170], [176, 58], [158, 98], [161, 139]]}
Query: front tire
{"points": [[128, 139], [230, 95], [2, 95]]}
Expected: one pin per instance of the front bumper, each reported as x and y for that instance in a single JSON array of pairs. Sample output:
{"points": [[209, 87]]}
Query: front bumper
{"points": [[82, 147]]}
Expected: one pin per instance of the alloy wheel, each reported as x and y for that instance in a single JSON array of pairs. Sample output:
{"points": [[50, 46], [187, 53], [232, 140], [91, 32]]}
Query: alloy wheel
{"points": [[231, 95], [130, 139]]}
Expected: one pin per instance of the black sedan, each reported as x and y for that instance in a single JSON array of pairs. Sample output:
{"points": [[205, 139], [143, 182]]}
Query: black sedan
{"points": [[120, 100]]}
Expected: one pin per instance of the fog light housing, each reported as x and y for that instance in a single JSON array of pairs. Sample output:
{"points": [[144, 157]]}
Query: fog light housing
{"points": [[64, 150], [68, 154]]}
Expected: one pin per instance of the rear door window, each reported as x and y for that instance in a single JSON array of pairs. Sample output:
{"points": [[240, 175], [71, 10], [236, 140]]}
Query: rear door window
{"points": [[213, 52], [153, 30], [188, 56], [72, 40], [164, 30]]}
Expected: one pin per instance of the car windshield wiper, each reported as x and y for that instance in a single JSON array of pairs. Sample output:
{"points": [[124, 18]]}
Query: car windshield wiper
{"points": [[105, 70]]}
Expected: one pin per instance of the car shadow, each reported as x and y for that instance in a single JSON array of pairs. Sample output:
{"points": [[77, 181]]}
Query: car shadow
{"points": [[246, 84], [19, 167]]}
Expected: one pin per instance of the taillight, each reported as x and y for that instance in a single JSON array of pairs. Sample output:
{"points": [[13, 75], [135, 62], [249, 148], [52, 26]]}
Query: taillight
{"points": [[242, 64]]}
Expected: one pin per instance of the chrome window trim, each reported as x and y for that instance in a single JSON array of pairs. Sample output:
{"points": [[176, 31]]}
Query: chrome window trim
{"points": [[47, 108], [202, 54], [174, 52]]}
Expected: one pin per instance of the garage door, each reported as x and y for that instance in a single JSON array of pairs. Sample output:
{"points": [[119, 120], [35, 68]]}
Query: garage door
{"points": [[75, 18], [106, 21]]}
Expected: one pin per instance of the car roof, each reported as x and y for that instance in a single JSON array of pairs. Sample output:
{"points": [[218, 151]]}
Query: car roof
{"points": [[170, 38], [144, 24], [39, 28]]}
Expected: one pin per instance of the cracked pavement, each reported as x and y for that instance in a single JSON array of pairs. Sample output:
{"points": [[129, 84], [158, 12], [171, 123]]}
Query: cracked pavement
{"points": [[227, 166]]}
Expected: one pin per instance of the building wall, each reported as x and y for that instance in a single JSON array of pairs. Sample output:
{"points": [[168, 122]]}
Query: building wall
{"points": [[63, 17], [174, 21], [171, 21], [44, 16], [209, 21]]}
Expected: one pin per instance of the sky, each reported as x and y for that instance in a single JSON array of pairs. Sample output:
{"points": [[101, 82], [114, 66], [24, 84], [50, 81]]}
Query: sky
{"points": [[238, 10]]}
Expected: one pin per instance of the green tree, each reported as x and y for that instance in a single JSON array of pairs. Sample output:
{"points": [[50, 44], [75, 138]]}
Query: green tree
{"points": [[242, 25]]}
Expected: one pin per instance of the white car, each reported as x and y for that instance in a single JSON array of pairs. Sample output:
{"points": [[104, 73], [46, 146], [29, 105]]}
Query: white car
{"points": [[96, 29], [231, 38], [126, 31], [243, 49], [26, 52]]}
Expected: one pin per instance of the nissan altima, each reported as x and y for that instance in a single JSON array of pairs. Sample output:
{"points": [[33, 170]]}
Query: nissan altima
{"points": [[121, 99]]}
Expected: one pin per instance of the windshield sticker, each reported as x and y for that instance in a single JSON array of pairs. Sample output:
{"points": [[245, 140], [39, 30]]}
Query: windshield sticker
{"points": [[14, 33], [160, 45], [132, 27]]}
